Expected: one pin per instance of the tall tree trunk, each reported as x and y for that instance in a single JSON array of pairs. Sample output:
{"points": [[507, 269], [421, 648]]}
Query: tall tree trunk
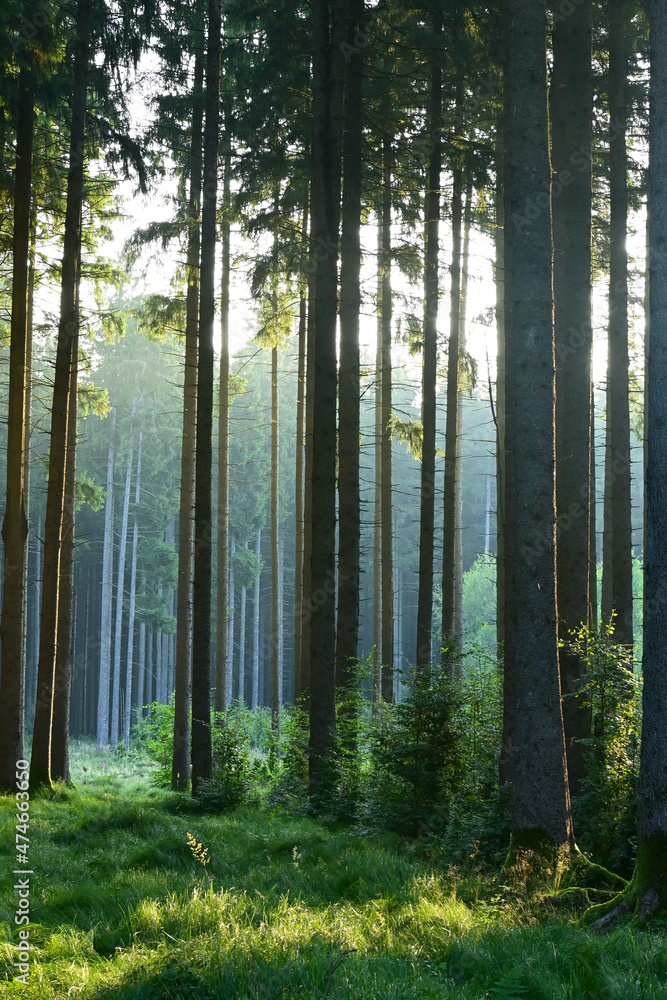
{"points": [[223, 666], [538, 771], [201, 633], [649, 885], [60, 770], [180, 767], [27, 437], [593, 553], [129, 670], [106, 596], [328, 27], [499, 278], [276, 610], [299, 526], [386, 511], [429, 365], [40, 763], [241, 695], [254, 694], [349, 504], [458, 486], [141, 672], [120, 589], [451, 428], [377, 505], [571, 117], [230, 613], [15, 523], [618, 483]]}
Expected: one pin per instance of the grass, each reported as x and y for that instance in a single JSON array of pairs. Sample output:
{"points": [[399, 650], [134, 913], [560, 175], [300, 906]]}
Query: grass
{"points": [[122, 907]]}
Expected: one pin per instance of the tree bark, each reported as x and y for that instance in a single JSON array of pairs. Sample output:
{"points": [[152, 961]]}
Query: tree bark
{"points": [[129, 670], [15, 523], [386, 512], [223, 668], [276, 679], [180, 768], [349, 504], [458, 487], [60, 769], [328, 25], [571, 116], [201, 634], [299, 485], [254, 697], [451, 428], [431, 292], [120, 589], [617, 568], [68, 328], [540, 810], [106, 596], [377, 504]]}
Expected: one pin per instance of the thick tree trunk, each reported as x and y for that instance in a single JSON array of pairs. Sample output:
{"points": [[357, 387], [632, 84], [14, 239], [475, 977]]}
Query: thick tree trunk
{"points": [[649, 885], [328, 26], [129, 669], [299, 485], [386, 512], [62, 688], [180, 768], [571, 99], [223, 666], [431, 291], [451, 428], [106, 596], [617, 568], [349, 504], [499, 277], [201, 634], [15, 523], [538, 770], [68, 329]]}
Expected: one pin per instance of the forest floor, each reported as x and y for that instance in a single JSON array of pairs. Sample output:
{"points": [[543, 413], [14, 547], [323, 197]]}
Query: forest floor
{"points": [[135, 895]]}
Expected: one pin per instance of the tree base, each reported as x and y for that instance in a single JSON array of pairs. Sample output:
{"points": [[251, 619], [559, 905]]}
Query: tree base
{"points": [[645, 897]]}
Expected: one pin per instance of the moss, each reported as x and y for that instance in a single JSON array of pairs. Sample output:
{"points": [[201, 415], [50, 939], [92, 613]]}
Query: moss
{"points": [[646, 894]]}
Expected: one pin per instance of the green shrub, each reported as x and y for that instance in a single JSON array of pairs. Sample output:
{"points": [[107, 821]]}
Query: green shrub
{"points": [[155, 735], [231, 774]]}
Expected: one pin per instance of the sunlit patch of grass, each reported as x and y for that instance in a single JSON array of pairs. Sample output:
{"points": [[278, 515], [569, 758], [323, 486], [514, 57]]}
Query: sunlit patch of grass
{"points": [[123, 908]]}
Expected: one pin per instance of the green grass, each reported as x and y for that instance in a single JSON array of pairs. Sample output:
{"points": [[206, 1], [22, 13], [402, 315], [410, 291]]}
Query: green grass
{"points": [[121, 908]]}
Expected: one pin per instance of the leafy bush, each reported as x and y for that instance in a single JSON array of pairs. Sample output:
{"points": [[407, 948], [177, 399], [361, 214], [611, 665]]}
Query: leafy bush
{"points": [[155, 734], [231, 773], [606, 823]]}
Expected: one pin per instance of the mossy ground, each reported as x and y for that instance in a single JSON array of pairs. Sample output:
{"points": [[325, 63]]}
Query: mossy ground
{"points": [[122, 908]]}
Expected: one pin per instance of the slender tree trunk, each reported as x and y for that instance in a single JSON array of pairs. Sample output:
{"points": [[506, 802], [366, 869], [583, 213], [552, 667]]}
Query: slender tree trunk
{"points": [[540, 801], [618, 483], [201, 636], [40, 763], [254, 697], [451, 429], [120, 589], [349, 504], [431, 291], [276, 610], [107, 596], [60, 770], [180, 768], [593, 556], [15, 523], [230, 612], [328, 26], [27, 437], [223, 671], [571, 100], [386, 511], [241, 695], [649, 885], [141, 672], [299, 485], [377, 506], [129, 670]]}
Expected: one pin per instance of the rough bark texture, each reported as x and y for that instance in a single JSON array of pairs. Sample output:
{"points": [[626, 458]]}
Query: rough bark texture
{"points": [[65, 639], [180, 766], [451, 428], [427, 491], [201, 633], [500, 278], [538, 771], [68, 328], [223, 673], [617, 568], [15, 523], [571, 117], [328, 25], [386, 512], [349, 505]]}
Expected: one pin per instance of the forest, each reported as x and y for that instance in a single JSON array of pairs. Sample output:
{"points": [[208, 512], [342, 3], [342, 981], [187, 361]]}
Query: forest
{"points": [[333, 423]]}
